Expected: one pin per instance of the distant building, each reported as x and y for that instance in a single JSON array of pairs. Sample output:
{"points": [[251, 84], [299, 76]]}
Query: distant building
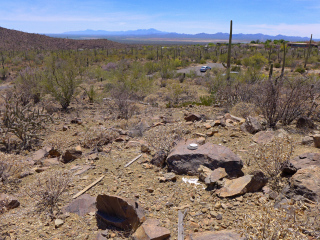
{"points": [[301, 45]]}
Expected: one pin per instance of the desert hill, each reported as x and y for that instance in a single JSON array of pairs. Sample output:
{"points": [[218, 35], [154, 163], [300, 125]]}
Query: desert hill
{"points": [[17, 40]]}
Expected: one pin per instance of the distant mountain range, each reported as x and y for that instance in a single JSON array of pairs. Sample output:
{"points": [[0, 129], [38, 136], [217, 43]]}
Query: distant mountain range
{"points": [[154, 33], [20, 41]]}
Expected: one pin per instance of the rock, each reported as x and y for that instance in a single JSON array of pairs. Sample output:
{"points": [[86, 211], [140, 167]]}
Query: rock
{"points": [[215, 235], [251, 125], [50, 161], [204, 173], [54, 153], [217, 175], [76, 121], [93, 156], [306, 182], [170, 177], [192, 117], [100, 236], [120, 212], [159, 158], [58, 223], [181, 160], [71, 155], [8, 201], [242, 185], [201, 140], [150, 230], [307, 140], [64, 128], [237, 119], [301, 161], [304, 122], [40, 154], [207, 125], [229, 123], [316, 139], [263, 137], [216, 123], [82, 205], [83, 169], [145, 148]]}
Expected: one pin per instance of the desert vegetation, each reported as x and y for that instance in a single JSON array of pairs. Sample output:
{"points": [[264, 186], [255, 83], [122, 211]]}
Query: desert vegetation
{"points": [[73, 112]]}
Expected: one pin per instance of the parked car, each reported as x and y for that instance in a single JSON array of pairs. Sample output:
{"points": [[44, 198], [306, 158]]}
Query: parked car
{"points": [[205, 68]]}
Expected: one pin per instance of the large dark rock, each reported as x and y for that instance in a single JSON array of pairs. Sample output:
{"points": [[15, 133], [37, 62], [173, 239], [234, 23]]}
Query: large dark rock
{"points": [[301, 161], [242, 185], [82, 205], [184, 161], [120, 212], [216, 235], [150, 230], [251, 125], [306, 182]]}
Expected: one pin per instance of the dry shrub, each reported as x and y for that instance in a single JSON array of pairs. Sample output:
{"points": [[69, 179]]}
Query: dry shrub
{"points": [[122, 102], [10, 168], [25, 122], [161, 138], [96, 137], [243, 109], [271, 157], [287, 99], [48, 190], [275, 224]]}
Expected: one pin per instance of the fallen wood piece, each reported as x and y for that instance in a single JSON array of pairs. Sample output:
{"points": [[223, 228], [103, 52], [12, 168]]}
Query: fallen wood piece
{"points": [[133, 160], [88, 187], [180, 224]]}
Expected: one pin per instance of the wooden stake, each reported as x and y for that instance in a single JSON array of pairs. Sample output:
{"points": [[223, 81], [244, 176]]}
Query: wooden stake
{"points": [[180, 224], [133, 160], [88, 187]]}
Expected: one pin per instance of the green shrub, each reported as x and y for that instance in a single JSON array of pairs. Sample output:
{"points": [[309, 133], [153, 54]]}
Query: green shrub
{"points": [[300, 70]]}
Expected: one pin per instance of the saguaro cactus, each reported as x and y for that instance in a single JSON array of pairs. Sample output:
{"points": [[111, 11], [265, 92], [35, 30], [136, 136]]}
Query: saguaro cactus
{"points": [[229, 52], [308, 53]]}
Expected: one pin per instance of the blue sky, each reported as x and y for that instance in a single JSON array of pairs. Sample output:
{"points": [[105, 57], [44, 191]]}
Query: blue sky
{"points": [[292, 18]]}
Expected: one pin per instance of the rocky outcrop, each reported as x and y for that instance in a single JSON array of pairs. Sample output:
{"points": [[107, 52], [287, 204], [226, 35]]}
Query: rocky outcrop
{"points": [[185, 161], [119, 212]]}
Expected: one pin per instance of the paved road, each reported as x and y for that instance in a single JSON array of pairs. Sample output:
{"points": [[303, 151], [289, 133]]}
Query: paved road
{"points": [[197, 68]]}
